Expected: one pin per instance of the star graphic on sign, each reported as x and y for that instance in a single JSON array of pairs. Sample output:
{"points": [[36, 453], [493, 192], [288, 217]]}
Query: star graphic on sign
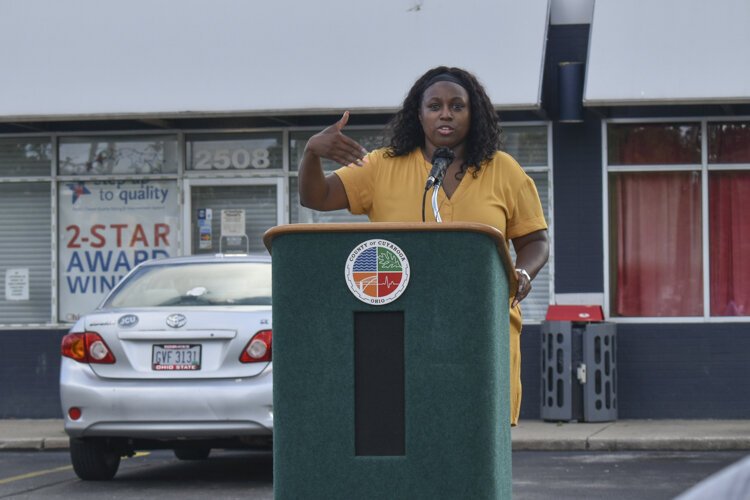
{"points": [[79, 189]]}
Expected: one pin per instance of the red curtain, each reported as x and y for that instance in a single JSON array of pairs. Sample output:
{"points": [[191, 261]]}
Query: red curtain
{"points": [[729, 142], [729, 198], [658, 221], [654, 144], [659, 255]]}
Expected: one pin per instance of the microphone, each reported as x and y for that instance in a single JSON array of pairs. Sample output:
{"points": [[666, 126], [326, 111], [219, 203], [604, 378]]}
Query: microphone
{"points": [[441, 159]]}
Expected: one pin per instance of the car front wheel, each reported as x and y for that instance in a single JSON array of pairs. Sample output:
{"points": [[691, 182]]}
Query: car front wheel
{"points": [[94, 459]]}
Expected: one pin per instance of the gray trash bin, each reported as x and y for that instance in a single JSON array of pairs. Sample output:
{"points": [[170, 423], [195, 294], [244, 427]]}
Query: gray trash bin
{"points": [[579, 368]]}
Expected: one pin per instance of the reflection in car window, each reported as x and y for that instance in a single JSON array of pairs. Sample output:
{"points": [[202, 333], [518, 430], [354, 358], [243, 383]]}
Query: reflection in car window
{"points": [[195, 284]]}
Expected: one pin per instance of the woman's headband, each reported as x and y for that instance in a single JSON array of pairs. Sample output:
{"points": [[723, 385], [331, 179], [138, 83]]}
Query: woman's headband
{"points": [[445, 77]]}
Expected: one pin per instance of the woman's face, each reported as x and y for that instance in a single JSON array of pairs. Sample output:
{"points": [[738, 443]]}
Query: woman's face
{"points": [[445, 115]]}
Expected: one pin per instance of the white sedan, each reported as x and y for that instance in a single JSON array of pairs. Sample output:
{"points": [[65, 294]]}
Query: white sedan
{"points": [[177, 356]]}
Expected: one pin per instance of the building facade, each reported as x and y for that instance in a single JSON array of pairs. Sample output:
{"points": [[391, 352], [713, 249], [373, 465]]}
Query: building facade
{"points": [[141, 140]]}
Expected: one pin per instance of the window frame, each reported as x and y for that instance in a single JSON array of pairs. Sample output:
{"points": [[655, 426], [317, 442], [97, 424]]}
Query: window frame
{"points": [[190, 183], [49, 179], [185, 177], [550, 212], [704, 168]]}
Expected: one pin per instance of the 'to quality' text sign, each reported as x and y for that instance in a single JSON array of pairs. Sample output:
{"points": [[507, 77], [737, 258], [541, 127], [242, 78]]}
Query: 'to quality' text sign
{"points": [[107, 228]]}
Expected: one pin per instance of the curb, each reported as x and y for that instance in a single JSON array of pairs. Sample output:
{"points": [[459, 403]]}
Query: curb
{"points": [[529, 435], [38, 444], [588, 444], [609, 445]]}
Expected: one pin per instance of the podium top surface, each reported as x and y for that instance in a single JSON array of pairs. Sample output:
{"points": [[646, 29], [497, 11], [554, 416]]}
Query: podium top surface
{"points": [[379, 227]]}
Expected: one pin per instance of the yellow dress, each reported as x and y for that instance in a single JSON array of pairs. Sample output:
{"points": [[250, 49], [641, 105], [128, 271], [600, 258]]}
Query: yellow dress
{"points": [[501, 195]]}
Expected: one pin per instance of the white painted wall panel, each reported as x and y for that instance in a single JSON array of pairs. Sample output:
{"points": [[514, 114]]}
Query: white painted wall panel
{"points": [[160, 57], [669, 51]]}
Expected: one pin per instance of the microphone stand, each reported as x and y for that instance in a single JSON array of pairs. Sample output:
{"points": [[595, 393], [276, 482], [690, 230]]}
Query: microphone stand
{"points": [[441, 160], [435, 210]]}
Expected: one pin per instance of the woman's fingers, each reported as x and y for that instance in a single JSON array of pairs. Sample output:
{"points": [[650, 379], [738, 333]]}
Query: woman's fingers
{"points": [[352, 151], [344, 150], [523, 289], [331, 144], [343, 121]]}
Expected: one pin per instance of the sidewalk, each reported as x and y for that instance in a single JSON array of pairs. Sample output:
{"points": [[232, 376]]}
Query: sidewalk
{"points": [[533, 435], [673, 435]]}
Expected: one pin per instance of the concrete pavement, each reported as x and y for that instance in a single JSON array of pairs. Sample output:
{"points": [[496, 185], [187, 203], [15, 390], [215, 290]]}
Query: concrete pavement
{"points": [[534, 435]]}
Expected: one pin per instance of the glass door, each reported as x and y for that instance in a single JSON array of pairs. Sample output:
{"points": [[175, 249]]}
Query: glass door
{"points": [[231, 215]]}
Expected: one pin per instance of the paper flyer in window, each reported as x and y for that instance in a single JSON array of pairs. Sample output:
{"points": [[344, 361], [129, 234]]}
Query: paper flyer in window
{"points": [[205, 232], [17, 284]]}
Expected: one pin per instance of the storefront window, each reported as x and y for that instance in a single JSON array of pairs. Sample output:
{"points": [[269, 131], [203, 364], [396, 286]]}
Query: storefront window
{"points": [[654, 144], [118, 155], [25, 158], [657, 239], [729, 142], [298, 213], [657, 220], [234, 153], [528, 145], [536, 303], [25, 256], [106, 228], [369, 139], [232, 218], [112, 201], [729, 228]]}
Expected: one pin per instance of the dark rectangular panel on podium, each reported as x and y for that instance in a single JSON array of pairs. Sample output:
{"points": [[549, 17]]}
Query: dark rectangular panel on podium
{"points": [[407, 399], [379, 420]]}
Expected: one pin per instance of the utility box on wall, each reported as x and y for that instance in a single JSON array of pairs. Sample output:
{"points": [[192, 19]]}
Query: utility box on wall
{"points": [[579, 368]]}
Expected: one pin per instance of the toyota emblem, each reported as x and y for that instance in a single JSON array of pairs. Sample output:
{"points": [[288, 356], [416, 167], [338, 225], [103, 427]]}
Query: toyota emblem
{"points": [[176, 320]]}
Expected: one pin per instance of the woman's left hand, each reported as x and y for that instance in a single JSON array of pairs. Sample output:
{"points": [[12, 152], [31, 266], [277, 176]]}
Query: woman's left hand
{"points": [[532, 252], [524, 287]]}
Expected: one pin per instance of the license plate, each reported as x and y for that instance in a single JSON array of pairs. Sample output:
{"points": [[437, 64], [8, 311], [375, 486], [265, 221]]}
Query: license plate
{"points": [[176, 357]]}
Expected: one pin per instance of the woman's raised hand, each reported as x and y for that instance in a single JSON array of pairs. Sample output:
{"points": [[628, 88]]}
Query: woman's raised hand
{"points": [[332, 144]]}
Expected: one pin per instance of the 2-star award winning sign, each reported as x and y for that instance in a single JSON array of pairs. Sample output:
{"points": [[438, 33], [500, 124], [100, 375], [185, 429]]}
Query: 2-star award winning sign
{"points": [[107, 228]]}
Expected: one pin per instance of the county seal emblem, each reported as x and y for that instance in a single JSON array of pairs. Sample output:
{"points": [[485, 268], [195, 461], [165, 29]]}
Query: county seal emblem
{"points": [[377, 272]]}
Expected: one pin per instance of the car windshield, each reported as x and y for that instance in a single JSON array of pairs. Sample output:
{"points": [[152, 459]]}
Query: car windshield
{"points": [[195, 284]]}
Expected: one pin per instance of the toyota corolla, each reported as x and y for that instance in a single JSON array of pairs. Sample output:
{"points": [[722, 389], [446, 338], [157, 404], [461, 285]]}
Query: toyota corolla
{"points": [[177, 356]]}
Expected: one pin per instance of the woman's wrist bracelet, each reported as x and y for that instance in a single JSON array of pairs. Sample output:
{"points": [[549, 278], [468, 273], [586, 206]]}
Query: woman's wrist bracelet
{"points": [[524, 272]]}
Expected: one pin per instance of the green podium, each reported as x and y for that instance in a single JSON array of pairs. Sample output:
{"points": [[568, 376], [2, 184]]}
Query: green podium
{"points": [[391, 357]]}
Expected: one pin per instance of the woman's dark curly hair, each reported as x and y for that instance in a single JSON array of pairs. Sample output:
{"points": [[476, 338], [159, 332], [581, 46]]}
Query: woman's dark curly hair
{"points": [[483, 139]]}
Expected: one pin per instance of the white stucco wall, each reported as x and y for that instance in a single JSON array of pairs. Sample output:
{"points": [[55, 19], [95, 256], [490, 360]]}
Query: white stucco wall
{"points": [[669, 51], [191, 57]]}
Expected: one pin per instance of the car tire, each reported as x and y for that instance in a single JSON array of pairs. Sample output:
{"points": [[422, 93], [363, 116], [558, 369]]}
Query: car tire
{"points": [[192, 453], [94, 459]]}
